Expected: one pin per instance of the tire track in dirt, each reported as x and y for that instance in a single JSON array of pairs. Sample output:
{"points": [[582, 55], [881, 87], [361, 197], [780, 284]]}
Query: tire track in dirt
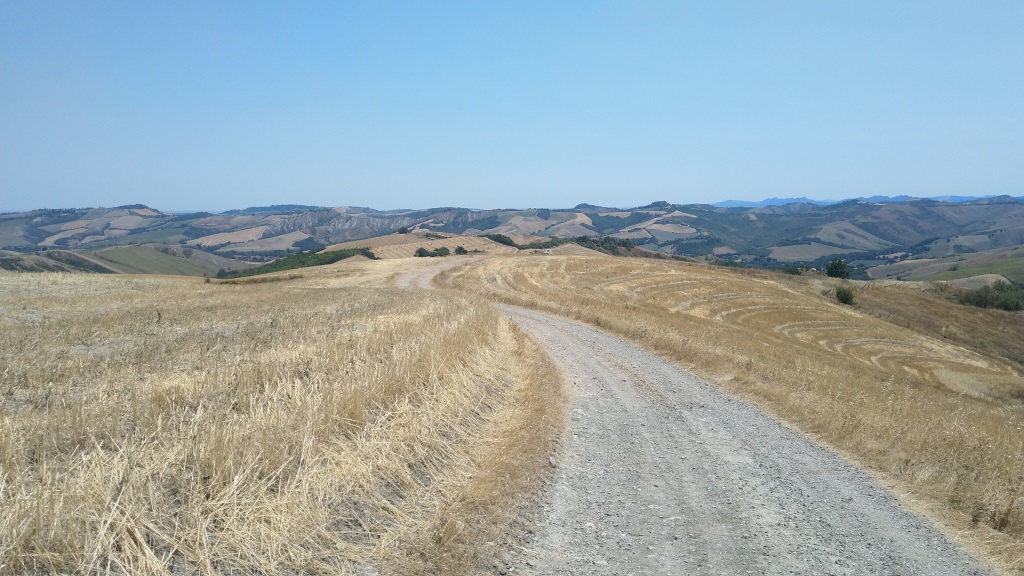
{"points": [[660, 473], [422, 277]]}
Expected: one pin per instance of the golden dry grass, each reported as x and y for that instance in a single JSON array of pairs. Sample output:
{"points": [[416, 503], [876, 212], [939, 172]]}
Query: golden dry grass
{"points": [[246, 235], [405, 245], [942, 422], [930, 309], [313, 425]]}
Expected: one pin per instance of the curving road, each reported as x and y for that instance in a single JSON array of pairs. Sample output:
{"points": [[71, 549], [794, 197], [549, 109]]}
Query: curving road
{"points": [[662, 474]]}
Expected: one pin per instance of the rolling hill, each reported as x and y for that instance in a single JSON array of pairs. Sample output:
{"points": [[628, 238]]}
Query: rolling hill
{"points": [[867, 233], [132, 259]]}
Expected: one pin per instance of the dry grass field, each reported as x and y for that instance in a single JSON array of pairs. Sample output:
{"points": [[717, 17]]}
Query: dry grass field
{"points": [[944, 424], [405, 245], [321, 423]]}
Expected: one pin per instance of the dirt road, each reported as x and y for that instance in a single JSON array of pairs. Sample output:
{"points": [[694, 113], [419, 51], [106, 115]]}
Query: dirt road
{"points": [[423, 275], [662, 474]]}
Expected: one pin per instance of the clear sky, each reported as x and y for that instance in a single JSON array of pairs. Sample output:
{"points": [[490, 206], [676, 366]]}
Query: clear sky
{"points": [[215, 105]]}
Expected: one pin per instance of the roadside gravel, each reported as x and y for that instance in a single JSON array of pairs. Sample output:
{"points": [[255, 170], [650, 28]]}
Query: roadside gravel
{"points": [[660, 473]]}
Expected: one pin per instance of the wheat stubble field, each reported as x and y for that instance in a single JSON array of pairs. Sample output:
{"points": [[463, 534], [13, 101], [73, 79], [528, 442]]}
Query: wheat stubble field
{"points": [[321, 423], [941, 423]]}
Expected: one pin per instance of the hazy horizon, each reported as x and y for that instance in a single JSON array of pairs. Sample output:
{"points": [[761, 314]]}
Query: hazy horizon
{"points": [[223, 105], [478, 208]]}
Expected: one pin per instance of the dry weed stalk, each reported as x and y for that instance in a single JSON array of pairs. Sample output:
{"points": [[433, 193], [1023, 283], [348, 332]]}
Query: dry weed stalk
{"points": [[304, 426], [945, 422]]}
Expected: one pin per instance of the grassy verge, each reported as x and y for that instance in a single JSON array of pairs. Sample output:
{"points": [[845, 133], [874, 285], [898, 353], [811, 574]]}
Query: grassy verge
{"points": [[311, 426], [944, 423]]}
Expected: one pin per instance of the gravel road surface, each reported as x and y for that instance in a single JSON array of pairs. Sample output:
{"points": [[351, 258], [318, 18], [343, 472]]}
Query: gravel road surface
{"points": [[660, 473], [663, 474]]}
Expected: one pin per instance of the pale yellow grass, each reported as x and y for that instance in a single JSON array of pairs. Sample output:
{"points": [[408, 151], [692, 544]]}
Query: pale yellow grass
{"points": [[945, 424], [282, 242], [405, 245], [319, 424], [573, 249], [247, 235], [524, 225]]}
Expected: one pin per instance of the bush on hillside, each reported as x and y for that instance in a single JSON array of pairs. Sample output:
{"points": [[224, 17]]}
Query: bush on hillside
{"points": [[300, 260], [502, 239], [605, 244], [1000, 295], [422, 252], [845, 295]]}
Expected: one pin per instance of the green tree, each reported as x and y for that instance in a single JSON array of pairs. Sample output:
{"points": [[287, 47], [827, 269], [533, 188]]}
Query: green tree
{"points": [[461, 250], [837, 269], [422, 252]]}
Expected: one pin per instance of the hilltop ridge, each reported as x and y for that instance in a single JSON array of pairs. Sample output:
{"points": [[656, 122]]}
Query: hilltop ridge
{"points": [[775, 233]]}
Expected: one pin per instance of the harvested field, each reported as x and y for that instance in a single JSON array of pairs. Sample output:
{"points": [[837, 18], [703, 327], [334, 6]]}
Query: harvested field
{"points": [[320, 424], [848, 235], [247, 235], [282, 242], [525, 225], [575, 227], [573, 249], [942, 423], [391, 247]]}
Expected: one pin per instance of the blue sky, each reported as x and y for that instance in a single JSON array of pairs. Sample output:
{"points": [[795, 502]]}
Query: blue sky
{"points": [[218, 105]]}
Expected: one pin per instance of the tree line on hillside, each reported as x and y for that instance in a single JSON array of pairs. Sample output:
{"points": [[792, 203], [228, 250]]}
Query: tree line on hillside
{"points": [[606, 244], [299, 260], [441, 252], [1002, 295]]}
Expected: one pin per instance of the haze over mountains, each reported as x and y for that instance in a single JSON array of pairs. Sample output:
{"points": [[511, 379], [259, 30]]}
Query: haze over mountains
{"points": [[804, 199], [774, 233]]}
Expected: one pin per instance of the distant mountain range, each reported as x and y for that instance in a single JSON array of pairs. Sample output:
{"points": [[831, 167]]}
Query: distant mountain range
{"points": [[774, 232], [880, 199]]}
